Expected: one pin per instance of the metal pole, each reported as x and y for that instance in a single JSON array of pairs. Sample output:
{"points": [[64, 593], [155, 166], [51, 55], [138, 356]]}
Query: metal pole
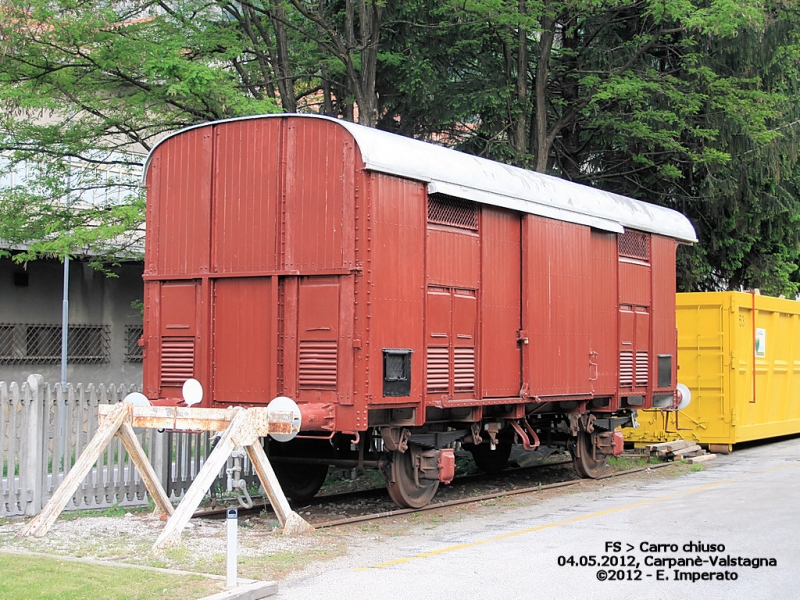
{"points": [[62, 406], [65, 325], [65, 295], [233, 532]]}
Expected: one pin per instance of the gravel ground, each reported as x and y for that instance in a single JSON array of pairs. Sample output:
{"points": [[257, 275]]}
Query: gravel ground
{"points": [[263, 552], [202, 548]]}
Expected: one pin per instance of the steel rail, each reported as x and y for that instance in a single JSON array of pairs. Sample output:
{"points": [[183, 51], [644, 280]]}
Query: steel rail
{"points": [[436, 505], [324, 499], [474, 499]]}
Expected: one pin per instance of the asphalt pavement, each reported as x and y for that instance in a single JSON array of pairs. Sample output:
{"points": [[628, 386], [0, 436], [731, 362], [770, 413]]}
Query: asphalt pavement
{"points": [[728, 532]]}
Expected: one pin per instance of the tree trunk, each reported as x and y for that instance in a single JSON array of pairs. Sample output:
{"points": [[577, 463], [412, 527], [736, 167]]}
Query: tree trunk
{"points": [[571, 133], [540, 146], [283, 72], [519, 126], [342, 45], [370, 13]]}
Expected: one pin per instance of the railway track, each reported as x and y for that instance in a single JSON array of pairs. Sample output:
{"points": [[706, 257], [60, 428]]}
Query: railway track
{"points": [[345, 508], [479, 498]]}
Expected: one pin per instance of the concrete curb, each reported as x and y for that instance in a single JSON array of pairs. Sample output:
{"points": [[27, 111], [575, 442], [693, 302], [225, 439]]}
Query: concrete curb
{"points": [[249, 591]]}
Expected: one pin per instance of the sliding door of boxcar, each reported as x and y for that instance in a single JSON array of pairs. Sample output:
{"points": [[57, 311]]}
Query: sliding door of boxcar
{"points": [[500, 302], [557, 307], [603, 305]]}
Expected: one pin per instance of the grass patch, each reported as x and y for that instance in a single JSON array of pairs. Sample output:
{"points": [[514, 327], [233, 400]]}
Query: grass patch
{"points": [[24, 576], [465, 465], [111, 511], [339, 481], [627, 462], [277, 565]]}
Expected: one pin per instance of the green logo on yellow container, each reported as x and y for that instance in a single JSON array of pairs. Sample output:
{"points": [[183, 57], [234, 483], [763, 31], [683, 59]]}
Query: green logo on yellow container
{"points": [[761, 343]]}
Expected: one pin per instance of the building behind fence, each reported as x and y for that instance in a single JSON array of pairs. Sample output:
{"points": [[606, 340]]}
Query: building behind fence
{"points": [[103, 326], [44, 429]]}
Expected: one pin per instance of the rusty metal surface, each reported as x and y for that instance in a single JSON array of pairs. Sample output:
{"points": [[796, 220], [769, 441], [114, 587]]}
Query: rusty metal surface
{"points": [[178, 230], [634, 283], [664, 340], [603, 305], [500, 307], [556, 311], [318, 171], [453, 257], [319, 338], [395, 264], [243, 341], [172, 354], [302, 267], [247, 196]]}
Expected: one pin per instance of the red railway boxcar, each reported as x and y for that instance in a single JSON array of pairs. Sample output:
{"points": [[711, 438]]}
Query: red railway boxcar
{"points": [[405, 295]]}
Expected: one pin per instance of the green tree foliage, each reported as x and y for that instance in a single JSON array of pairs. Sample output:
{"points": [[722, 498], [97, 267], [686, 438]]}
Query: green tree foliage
{"points": [[691, 104], [687, 104], [89, 86]]}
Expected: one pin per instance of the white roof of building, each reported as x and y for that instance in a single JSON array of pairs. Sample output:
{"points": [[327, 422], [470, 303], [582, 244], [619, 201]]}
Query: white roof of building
{"points": [[454, 173]]}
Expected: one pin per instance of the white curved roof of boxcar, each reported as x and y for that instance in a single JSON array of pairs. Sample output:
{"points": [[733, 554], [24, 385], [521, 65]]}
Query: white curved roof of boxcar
{"points": [[454, 173]]}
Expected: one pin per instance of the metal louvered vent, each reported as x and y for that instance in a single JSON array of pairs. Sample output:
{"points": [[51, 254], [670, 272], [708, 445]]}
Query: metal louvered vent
{"points": [[318, 363], [626, 368], [642, 369], [438, 370], [177, 361], [447, 210], [634, 244], [464, 369]]}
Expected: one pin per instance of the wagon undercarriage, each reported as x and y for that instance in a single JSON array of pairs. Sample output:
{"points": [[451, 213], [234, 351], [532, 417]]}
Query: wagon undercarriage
{"points": [[415, 460]]}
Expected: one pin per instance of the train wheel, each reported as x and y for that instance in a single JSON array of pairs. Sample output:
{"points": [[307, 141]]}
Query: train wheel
{"points": [[301, 482], [406, 488], [488, 460], [588, 463]]}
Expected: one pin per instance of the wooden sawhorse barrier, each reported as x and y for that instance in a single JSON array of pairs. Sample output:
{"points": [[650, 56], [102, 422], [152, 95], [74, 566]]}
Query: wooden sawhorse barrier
{"points": [[242, 427]]}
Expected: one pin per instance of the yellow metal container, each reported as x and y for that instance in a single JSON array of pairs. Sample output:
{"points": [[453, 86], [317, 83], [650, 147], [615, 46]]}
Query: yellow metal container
{"points": [[744, 374]]}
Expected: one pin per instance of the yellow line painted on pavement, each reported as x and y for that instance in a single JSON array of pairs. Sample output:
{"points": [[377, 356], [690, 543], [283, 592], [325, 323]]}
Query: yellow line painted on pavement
{"points": [[794, 464], [600, 513]]}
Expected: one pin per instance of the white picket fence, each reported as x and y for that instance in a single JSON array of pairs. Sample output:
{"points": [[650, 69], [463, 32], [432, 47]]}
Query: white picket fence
{"points": [[43, 430]]}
